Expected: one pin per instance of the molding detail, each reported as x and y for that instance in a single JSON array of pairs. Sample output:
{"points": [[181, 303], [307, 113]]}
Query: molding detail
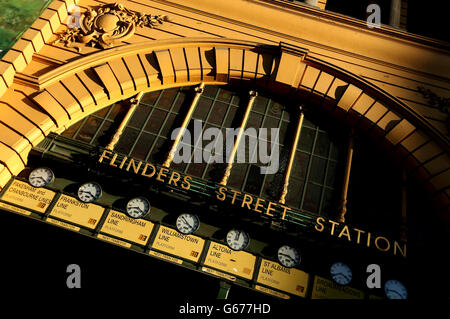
{"points": [[108, 25]]}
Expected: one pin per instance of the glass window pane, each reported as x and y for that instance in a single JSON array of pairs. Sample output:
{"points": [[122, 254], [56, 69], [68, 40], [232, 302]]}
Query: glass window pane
{"points": [[169, 126], [150, 98], [167, 98], [260, 104], [237, 175], [71, 130], [202, 108], [306, 140], [254, 180], [117, 112], [254, 120], [139, 116], [230, 117], [155, 121], [312, 198], [196, 169], [182, 100], [88, 130], [224, 95], [143, 145], [102, 112], [294, 195], [275, 109], [105, 134], [218, 113], [300, 165], [210, 91], [159, 151], [126, 141], [322, 144], [317, 172], [330, 203]]}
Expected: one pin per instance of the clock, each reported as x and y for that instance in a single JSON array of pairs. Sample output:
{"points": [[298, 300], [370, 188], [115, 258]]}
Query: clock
{"points": [[394, 289], [187, 223], [237, 239], [41, 177], [341, 273], [138, 207], [288, 256], [89, 192]]}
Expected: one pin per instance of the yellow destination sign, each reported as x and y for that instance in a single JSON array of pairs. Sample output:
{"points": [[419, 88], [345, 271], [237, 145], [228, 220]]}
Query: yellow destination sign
{"points": [[291, 280], [327, 289], [134, 230], [25, 195], [72, 210], [238, 263], [185, 246]]}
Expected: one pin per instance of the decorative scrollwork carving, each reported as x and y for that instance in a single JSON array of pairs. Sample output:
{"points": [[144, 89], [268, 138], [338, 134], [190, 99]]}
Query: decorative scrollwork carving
{"points": [[107, 26]]}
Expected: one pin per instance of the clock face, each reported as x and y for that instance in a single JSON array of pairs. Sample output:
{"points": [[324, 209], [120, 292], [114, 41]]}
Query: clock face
{"points": [[138, 207], [187, 223], [288, 256], [341, 273], [41, 177], [89, 192], [394, 289], [237, 239]]}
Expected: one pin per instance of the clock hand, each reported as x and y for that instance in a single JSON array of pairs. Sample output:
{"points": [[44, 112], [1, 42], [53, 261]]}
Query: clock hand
{"points": [[88, 193], [36, 177], [136, 207], [237, 235], [287, 256], [186, 222]]}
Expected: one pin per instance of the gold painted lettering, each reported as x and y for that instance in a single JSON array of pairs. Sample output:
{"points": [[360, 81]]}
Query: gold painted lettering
{"points": [[123, 162], [332, 227], [113, 159], [186, 184], [234, 195], [104, 155], [359, 234], [135, 169], [258, 204], [245, 202], [318, 221], [269, 208], [402, 251], [162, 172], [145, 170], [386, 240], [345, 232], [285, 208], [174, 180], [222, 191]]}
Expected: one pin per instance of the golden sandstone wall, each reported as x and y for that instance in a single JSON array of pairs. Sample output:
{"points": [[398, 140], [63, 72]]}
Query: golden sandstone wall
{"points": [[372, 78]]}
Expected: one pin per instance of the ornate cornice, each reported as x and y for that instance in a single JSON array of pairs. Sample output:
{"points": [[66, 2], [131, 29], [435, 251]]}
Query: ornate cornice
{"points": [[107, 26]]}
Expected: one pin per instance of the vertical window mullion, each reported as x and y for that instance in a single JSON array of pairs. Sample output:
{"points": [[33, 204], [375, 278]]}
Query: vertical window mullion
{"points": [[322, 195], [305, 185]]}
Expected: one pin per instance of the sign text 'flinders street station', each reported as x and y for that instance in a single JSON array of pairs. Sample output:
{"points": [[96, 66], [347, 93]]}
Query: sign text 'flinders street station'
{"points": [[252, 203]]}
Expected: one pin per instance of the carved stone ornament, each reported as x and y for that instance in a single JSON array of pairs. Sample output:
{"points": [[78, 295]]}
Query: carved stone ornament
{"points": [[107, 26]]}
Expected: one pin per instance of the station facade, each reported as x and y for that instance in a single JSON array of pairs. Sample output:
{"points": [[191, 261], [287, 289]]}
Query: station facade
{"points": [[92, 93]]}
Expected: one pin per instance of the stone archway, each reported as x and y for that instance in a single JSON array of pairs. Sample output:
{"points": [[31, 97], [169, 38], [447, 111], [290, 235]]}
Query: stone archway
{"points": [[81, 87]]}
